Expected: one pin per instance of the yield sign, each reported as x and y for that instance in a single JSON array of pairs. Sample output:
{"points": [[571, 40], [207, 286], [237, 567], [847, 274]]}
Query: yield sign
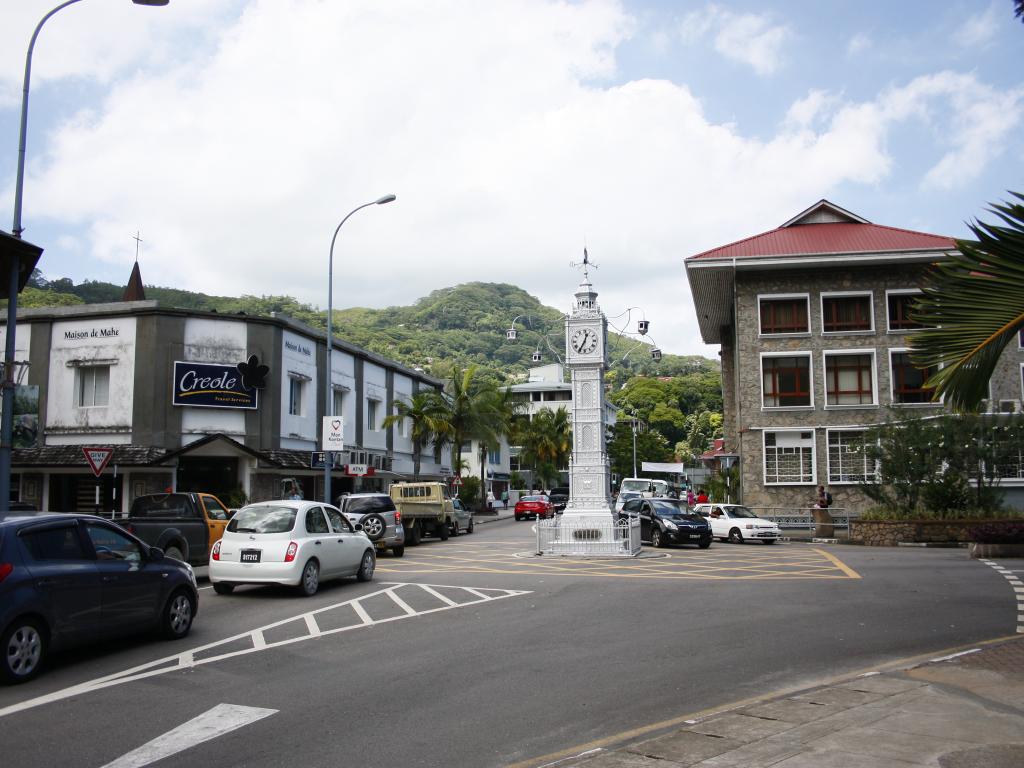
{"points": [[98, 458]]}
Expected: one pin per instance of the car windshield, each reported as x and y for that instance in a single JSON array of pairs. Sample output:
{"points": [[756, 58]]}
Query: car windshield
{"points": [[534, 498], [660, 487], [641, 486], [666, 508], [263, 520], [739, 512]]}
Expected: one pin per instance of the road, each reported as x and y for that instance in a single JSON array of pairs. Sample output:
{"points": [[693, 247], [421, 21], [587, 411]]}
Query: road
{"points": [[473, 652]]}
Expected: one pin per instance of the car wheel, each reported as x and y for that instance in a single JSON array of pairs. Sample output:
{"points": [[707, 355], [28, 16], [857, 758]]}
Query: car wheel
{"points": [[373, 526], [442, 531], [398, 551], [704, 543], [223, 588], [174, 552], [735, 536], [518, 518], [178, 614], [310, 581], [24, 648], [455, 528], [770, 541], [365, 572], [656, 540], [414, 534], [469, 528]]}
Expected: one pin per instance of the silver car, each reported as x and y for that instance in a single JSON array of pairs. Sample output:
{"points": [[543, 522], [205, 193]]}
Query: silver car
{"points": [[463, 522], [381, 522]]}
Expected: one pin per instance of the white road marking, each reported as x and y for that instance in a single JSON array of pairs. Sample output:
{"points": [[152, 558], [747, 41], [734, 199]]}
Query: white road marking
{"points": [[361, 607], [215, 722], [1016, 585], [954, 655]]}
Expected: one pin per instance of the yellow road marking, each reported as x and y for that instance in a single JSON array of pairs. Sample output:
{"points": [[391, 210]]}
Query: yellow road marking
{"points": [[839, 564]]}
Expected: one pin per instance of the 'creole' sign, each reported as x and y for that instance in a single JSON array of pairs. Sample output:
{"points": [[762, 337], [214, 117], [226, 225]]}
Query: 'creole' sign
{"points": [[210, 385]]}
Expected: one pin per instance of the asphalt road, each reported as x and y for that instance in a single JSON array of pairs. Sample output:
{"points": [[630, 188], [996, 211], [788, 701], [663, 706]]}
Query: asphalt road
{"points": [[502, 658]]}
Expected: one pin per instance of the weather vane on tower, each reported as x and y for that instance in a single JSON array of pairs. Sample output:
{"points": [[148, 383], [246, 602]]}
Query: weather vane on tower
{"points": [[585, 265]]}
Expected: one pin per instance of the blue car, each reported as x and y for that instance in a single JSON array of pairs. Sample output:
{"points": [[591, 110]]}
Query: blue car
{"points": [[70, 579]]}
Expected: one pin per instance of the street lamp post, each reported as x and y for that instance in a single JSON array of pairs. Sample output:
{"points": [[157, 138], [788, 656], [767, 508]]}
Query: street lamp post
{"points": [[328, 391], [7, 417]]}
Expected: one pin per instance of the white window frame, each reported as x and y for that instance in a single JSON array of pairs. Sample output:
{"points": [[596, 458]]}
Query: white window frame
{"points": [[835, 478], [849, 295], [296, 395], [338, 399], [80, 373], [372, 406], [874, 377], [892, 384], [810, 380], [814, 455], [899, 292], [778, 297]]}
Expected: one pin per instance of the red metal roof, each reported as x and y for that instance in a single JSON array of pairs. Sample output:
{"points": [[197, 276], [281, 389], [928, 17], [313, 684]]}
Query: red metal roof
{"points": [[832, 237]]}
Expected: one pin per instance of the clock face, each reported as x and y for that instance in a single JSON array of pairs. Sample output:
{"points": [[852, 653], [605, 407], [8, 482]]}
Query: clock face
{"points": [[584, 341]]}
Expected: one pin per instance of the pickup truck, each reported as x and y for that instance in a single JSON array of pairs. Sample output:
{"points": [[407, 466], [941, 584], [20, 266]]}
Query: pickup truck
{"points": [[184, 525], [425, 508]]}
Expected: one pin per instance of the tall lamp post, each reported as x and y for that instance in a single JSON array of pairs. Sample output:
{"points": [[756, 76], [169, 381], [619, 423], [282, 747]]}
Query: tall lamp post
{"points": [[328, 391], [7, 418]]}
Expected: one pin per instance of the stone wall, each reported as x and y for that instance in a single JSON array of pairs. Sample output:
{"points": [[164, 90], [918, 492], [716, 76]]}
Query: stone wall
{"points": [[889, 533]]}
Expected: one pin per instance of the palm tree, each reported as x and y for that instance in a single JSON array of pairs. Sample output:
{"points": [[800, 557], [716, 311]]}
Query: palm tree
{"points": [[426, 412], [547, 443], [498, 410], [973, 305]]}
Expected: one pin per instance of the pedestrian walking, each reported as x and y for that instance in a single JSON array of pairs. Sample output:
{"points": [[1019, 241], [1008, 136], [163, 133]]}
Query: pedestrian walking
{"points": [[504, 498], [690, 498], [490, 501], [702, 497]]}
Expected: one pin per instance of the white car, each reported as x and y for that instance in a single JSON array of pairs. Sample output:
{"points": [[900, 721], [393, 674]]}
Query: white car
{"points": [[623, 497], [463, 522], [736, 523], [298, 543]]}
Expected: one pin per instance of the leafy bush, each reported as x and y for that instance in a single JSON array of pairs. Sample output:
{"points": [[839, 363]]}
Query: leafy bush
{"points": [[998, 532], [469, 492]]}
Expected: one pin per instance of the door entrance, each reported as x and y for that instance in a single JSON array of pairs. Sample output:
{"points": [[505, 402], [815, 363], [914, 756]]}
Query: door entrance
{"points": [[206, 474]]}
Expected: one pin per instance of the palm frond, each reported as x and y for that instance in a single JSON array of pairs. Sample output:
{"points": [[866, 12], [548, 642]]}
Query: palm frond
{"points": [[973, 306]]}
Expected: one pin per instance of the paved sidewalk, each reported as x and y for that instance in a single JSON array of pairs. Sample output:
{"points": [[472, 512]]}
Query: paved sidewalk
{"points": [[492, 517], [962, 712]]}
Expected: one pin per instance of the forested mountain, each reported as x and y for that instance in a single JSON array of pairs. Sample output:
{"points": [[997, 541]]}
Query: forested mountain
{"points": [[678, 398]]}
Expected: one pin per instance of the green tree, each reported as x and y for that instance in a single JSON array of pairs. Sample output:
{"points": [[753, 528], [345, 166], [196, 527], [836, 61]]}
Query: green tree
{"points": [[963, 342], [546, 444], [650, 446], [426, 414]]}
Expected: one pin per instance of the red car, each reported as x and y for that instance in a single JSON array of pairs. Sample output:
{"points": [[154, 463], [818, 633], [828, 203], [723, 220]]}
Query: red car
{"points": [[534, 506]]}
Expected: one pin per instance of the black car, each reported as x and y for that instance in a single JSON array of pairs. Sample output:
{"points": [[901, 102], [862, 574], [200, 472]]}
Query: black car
{"points": [[559, 497], [666, 521], [69, 579]]}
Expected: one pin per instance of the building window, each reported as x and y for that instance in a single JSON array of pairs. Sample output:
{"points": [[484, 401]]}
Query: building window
{"points": [[849, 378], [786, 381], [93, 386], [846, 314], [847, 458], [371, 414], [786, 314], [789, 458], [494, 456], [908, 380], [900, 306], [295, 388], [338, 402]]}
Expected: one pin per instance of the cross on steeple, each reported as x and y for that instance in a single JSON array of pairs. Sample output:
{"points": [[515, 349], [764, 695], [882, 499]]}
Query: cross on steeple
{"points": [[138, 242]]}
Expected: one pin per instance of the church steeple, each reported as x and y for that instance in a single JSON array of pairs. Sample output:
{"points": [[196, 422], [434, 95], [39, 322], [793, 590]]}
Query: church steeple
{"points": [[134, 290]]}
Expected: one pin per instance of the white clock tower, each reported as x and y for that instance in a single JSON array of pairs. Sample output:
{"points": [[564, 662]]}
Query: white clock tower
{"points": [[587, 525]]}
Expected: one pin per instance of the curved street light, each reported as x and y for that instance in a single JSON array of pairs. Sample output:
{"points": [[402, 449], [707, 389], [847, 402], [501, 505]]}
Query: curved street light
{"points": [[7, 419], [328, 391]]}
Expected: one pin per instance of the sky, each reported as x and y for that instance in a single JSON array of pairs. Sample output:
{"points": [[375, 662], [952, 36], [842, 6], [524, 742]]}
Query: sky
{"points": [[235, 135]]}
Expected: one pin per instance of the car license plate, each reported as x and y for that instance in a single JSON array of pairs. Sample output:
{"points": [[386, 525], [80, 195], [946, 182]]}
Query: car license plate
{"points": [[249, 556]]}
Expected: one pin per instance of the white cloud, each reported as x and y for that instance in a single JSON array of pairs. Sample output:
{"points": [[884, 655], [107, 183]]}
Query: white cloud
{"points": [[491, 124], [748, 38], [858, 44], [979, 30]]}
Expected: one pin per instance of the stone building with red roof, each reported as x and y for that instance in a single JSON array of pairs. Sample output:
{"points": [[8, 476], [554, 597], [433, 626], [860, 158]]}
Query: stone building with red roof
{"points": [[813, 321]]}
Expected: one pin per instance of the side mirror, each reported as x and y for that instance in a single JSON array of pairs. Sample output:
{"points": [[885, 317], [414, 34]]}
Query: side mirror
{"points": [[155, 554]]}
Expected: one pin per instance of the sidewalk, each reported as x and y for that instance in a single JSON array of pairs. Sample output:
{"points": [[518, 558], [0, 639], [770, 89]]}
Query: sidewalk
{"points": [[479, 518], [965, 711]]}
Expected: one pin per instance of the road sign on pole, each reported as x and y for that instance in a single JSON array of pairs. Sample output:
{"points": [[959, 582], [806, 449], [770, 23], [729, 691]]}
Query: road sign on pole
{"points": [[98, 458]]}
